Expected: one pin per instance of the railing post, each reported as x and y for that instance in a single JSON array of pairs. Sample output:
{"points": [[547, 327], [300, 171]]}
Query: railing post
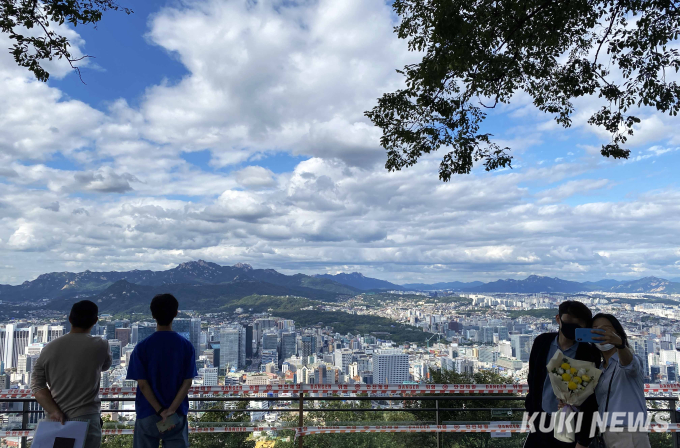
{"points": [[301, 418], [24, 422], [674, 418], [436, 405]]}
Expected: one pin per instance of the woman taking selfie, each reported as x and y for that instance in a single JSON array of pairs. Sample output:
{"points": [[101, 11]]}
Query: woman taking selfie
{"points": [[621, 386]]}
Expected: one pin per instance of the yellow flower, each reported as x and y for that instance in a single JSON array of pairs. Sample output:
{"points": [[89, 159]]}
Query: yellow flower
{"points": [[565, 366], [585, 378], [572, 385], [577, 379], [573, 371], [566, 377]]}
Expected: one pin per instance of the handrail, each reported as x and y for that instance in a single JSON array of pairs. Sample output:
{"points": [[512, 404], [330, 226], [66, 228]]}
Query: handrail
{"points": [[477, 394], [346, 388]]}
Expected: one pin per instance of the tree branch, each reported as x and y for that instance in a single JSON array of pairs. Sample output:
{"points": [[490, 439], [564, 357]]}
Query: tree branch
{"points": [[65, 53], [606, 34]]}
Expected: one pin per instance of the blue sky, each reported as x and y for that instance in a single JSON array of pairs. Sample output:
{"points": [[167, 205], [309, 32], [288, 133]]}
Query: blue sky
{"points": [[234, 132]]}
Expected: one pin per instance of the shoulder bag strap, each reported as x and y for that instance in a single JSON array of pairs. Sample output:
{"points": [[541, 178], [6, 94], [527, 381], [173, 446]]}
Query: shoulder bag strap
{"points": [[600, 437], [606, 408]]}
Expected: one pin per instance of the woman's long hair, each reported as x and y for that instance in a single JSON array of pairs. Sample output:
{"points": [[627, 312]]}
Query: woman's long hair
{"points": [[618, 328]]}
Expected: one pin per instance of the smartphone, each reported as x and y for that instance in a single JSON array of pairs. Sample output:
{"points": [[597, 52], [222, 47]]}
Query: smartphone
{"points": [[586, 335], [171, 421]]}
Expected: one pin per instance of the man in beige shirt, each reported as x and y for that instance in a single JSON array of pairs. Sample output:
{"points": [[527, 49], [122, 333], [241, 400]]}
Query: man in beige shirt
{"points": [[65, 378]]}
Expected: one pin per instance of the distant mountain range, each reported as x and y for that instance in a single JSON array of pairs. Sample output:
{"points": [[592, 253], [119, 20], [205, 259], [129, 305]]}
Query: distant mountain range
{"points": [[536, 284], [196, 279], [649, 285], [358, 281], [206, 286], [605, 284], [452, 286], [531, 284]]}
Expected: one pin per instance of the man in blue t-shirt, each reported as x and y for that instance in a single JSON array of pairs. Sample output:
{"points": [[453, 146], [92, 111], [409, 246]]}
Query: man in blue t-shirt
{"points": [[164, 366]]}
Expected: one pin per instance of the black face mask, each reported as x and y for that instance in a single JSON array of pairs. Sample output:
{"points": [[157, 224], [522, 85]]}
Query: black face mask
{"points": [[569, 330]]}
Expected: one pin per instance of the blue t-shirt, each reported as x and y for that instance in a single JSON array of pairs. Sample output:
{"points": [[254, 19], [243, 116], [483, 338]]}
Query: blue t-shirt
{"points": [[165, 359]]}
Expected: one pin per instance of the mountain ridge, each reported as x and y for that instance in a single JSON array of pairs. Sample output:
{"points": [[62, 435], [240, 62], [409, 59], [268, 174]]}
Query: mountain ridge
{"points": [[531, 284], [65, 285], [241, 280], [457, 286], [359, 281]]}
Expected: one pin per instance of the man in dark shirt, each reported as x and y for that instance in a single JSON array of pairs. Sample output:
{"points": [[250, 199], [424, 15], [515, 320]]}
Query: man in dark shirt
{"points": [[541, 398], [164, 366]]}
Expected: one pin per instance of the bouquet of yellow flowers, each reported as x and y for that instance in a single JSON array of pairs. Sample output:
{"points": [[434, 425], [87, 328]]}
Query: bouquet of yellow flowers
{"points": [[573, 381]]}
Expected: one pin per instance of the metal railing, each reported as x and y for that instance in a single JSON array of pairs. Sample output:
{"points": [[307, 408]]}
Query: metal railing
{"points": [[306, 404]]}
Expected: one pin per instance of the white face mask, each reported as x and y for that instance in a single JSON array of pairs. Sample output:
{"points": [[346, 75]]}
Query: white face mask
{"points": [[604, 347]]}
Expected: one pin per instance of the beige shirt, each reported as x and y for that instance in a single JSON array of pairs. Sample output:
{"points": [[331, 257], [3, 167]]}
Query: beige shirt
{"points": [[71, 366]]}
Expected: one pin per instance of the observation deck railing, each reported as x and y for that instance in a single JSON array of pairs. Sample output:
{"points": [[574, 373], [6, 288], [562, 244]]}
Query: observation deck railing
{"points": [[305, 399]]}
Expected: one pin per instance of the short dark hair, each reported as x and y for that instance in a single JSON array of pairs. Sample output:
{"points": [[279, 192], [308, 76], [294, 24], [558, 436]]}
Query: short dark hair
{"points": [[576, 310], [164, 308], [618, 328], [84, 314]]}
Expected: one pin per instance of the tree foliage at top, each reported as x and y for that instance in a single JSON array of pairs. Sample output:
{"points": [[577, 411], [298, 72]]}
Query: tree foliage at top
{"points": [[477, 54], [28, 24]]}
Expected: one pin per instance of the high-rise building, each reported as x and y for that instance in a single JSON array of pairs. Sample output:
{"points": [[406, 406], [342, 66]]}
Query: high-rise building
{"points": [[25, 363], [390, 367], [521, 346], [111, 327], [141, 331], [123, 335], [637, 344], [456, 326], [488, 355], [232, 347], [13, 342], [503, 334], [209, 356], [505, 349], [249, 342], [270, 341], [269, 356], [307, 345], [672, 372], [210, 376], [353, 370], [191, 330], [464, 365], [126, 353], [47, 333], [288, 345], [486, 335], [342, 359], [105, 380], [110, 331], [655, 373], [260, 326], [115, 346], [321, 375], [217, 360], [286, 325]]}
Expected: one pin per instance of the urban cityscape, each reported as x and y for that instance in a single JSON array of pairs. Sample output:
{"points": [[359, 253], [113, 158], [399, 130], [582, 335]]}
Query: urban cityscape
{"points": [[440, 330]]}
